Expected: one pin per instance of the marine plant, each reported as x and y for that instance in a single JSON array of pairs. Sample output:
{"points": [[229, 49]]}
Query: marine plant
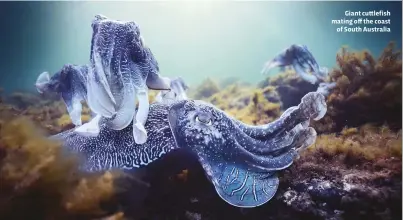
{"points": [[368, 90], [38, 178], [205, 90], [247, 104]]}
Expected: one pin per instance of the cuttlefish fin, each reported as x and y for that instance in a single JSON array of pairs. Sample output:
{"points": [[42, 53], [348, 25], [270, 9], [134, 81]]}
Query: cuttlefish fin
{"points": [[158, 82], [240, 187]]}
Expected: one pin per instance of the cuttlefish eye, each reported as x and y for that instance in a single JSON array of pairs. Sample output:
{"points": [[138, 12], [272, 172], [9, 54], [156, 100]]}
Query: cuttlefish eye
{"points": [[204, 118]]}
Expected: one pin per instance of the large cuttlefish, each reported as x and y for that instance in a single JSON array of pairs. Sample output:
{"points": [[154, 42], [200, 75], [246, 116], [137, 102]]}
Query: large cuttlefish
{"points": [[240, 160], [122, 70]]}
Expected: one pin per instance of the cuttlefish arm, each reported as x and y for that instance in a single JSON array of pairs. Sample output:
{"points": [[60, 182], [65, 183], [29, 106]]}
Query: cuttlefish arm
{"points": [[139, 132], [313, 105], [100, 97], [74, 107]]}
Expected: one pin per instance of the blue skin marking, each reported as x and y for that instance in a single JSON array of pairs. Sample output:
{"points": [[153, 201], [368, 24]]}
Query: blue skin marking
{"points": [[240, 162]]}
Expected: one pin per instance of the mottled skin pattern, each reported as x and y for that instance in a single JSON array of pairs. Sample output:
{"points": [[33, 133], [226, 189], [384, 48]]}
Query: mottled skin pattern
{"points": [[301, 59], [240, 160], [122, 69], [177, 92], [117, 149], [70, 82]]}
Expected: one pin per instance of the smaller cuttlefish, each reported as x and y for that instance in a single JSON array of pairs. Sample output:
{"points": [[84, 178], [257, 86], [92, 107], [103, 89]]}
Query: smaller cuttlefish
{"points": [[71, 84], [177, 92], [122, 70], [301, 59]]}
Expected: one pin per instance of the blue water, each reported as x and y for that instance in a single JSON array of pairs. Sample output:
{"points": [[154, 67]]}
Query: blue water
{"points": [[191, 39]]}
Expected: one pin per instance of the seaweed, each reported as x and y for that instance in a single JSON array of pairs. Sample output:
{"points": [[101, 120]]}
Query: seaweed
{"points": [[247, 104], [38, 178], [368, 90], [205, 90]]}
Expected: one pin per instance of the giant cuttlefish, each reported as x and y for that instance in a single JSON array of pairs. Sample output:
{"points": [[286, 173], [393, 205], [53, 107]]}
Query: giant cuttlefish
{"points": [[301, 59], [121, 71], [240, 160]]}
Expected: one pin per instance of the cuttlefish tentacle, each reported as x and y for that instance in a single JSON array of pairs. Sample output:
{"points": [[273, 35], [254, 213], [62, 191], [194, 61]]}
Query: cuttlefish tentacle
{"points": [[74, 107], [125, 92], [313, 106], [139, 132], [100, 100]]}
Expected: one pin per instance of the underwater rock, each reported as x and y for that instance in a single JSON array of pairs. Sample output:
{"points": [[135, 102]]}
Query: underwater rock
{"points": [[289, 87], [240, 160], [122, 70]]}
